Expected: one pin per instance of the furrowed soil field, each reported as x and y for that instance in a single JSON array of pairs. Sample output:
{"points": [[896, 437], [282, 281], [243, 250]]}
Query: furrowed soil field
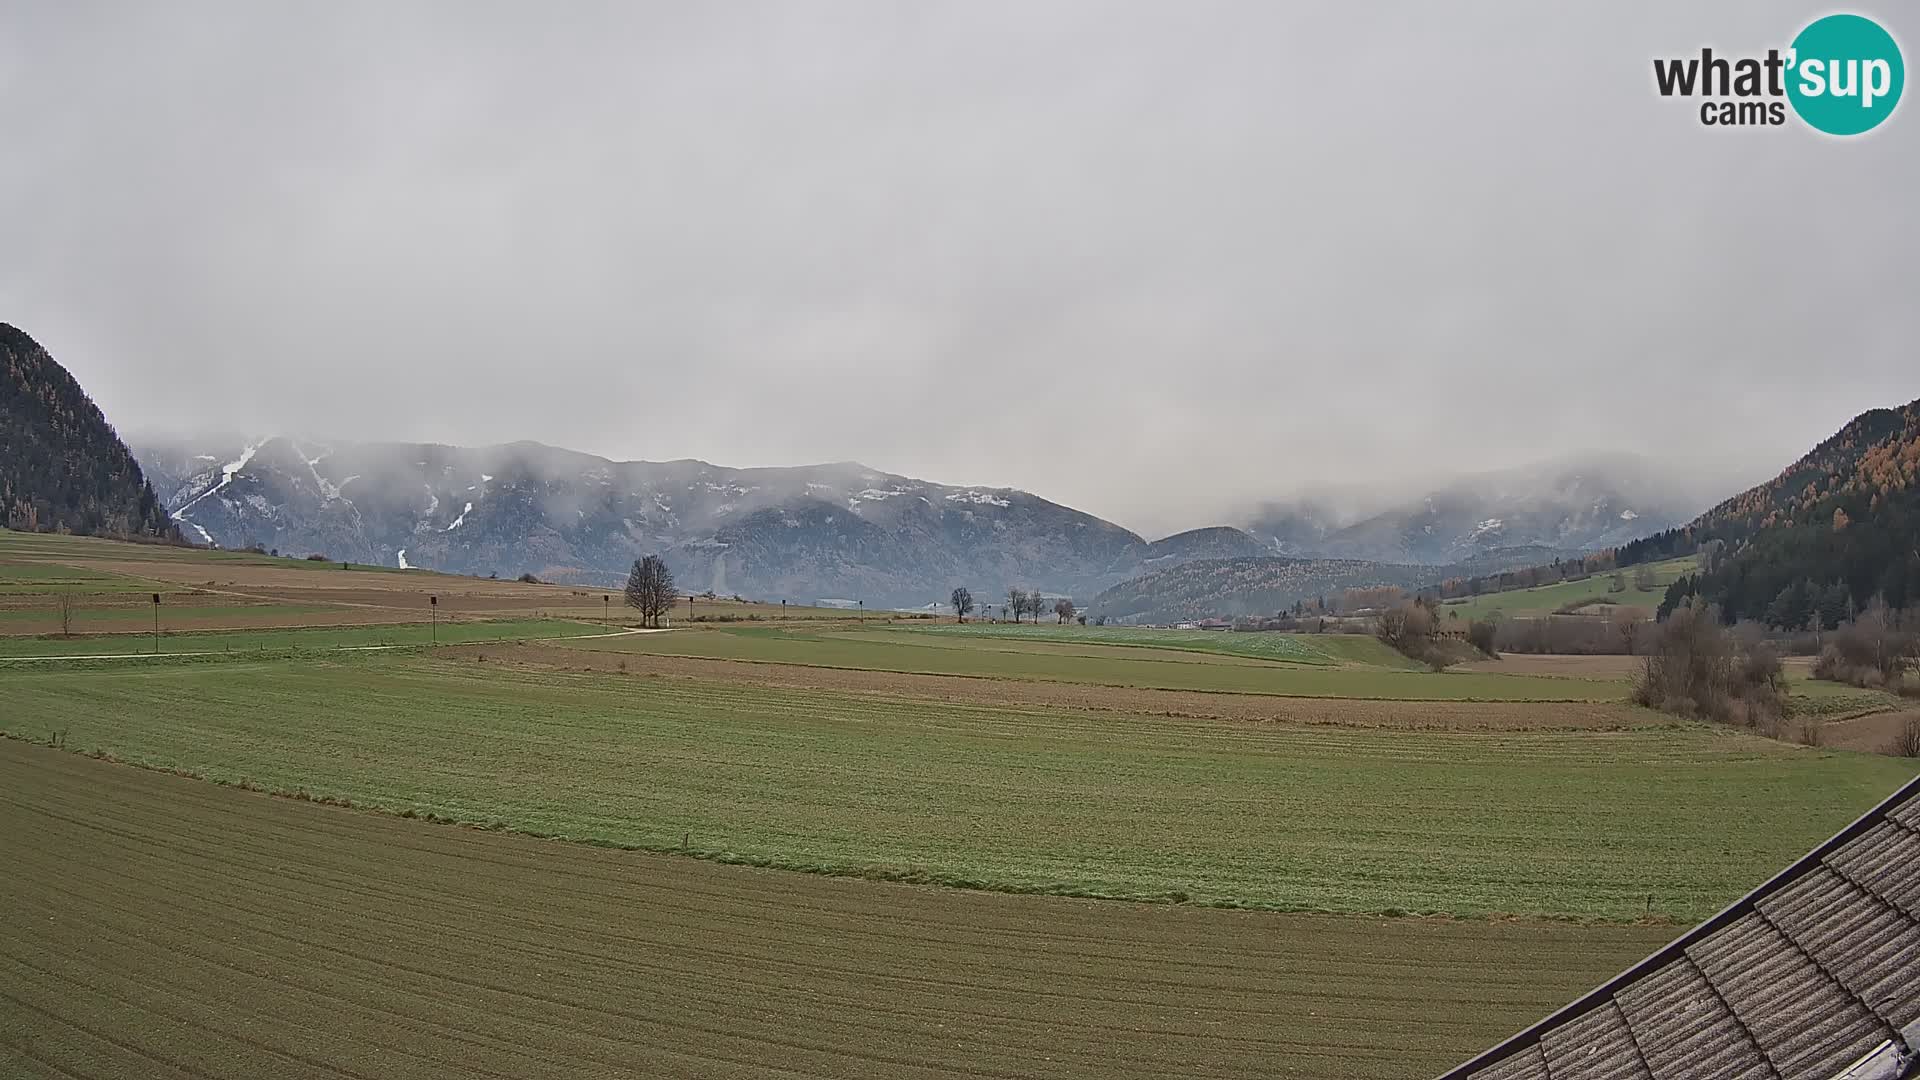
{"points": [[1032, 657], [168, 928], [1011, 798]]}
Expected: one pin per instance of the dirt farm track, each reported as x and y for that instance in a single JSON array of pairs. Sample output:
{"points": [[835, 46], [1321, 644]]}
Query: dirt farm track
{"points": [[165, 927]]}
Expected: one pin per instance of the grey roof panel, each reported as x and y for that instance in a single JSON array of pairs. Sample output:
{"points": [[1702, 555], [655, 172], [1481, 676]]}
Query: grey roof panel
{"points": [[1872, 948], [1802, 1019], [1597, 1046], [1684, 1029], [1884, 860]]}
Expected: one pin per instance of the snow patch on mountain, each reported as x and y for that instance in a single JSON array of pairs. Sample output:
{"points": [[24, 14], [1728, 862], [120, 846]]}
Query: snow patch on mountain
{"points": [[461, 520], [226, 477], [978, 498], [401, 555]]}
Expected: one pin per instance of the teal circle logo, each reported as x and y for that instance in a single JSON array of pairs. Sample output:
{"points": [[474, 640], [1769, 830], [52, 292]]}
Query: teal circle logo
{"points": [[1845, 74]]}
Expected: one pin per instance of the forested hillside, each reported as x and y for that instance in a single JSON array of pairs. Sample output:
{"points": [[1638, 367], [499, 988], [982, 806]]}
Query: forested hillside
{"points": [[62, 467], [1248, 586], [1836, 529]]}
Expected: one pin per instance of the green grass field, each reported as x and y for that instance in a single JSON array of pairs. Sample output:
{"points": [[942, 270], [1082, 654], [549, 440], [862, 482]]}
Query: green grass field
{"points": [[1585, 824], [286, 640], [1030, 658], [164, 927], [37, 578], [1547, 599]]}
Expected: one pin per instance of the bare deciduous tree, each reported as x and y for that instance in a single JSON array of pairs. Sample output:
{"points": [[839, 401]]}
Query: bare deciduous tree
{"points": [[1024, 602], [1906, 741], [650, 589], [1626, 626], [64, 602], [1063, 609], [962, 603]]}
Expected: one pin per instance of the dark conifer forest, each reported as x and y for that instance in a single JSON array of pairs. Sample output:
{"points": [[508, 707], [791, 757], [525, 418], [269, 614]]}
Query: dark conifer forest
{"points": [[62, 467]]}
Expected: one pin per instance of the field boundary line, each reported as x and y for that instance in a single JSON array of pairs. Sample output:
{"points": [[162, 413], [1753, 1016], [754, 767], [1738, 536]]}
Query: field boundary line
{"points": [[1122, 686]]}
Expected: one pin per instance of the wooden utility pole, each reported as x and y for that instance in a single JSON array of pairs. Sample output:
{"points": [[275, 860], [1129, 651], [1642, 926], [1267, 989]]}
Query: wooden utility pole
{"points": [[156, 624]]}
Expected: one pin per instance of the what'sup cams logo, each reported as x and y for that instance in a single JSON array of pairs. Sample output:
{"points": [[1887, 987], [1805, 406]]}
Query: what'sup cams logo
{"points": [[1842, 75]]}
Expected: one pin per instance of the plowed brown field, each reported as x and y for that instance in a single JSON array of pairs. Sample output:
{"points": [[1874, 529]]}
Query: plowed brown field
{"points": [[154, 926]]}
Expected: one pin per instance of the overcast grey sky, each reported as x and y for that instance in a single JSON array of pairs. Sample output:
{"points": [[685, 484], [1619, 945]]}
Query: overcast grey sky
{"points": [[1152, 260]]}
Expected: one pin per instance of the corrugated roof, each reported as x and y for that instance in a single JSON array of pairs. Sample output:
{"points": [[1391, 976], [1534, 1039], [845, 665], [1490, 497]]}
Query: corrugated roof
{"points": [[1813, 974]]}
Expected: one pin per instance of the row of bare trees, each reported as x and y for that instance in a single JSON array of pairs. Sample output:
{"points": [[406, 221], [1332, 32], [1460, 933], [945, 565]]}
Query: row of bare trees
{"points": [[1020, 602]]}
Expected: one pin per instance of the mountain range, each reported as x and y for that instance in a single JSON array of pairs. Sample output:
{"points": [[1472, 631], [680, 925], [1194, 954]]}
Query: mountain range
{"points": [[1562, 508], [1847, 513], [833, 531]]}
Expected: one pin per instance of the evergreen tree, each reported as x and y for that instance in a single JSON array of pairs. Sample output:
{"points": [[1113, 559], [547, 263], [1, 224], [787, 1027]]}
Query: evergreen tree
{"points": [[62, 467], [1835, 603]]}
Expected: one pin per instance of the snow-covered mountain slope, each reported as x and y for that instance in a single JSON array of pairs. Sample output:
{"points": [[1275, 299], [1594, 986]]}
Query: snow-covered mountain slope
{"points": [[840, 530], [837, 530], [1560, 509]]}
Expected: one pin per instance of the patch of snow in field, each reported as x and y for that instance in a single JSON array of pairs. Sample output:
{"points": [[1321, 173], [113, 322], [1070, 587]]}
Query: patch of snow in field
{"points": [[978, 498], [457, 522], [402, 557], [226, 477]]}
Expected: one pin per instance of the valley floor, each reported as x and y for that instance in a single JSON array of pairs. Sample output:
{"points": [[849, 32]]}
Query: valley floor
{"points": [[169, 928], [1474, 847]]}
